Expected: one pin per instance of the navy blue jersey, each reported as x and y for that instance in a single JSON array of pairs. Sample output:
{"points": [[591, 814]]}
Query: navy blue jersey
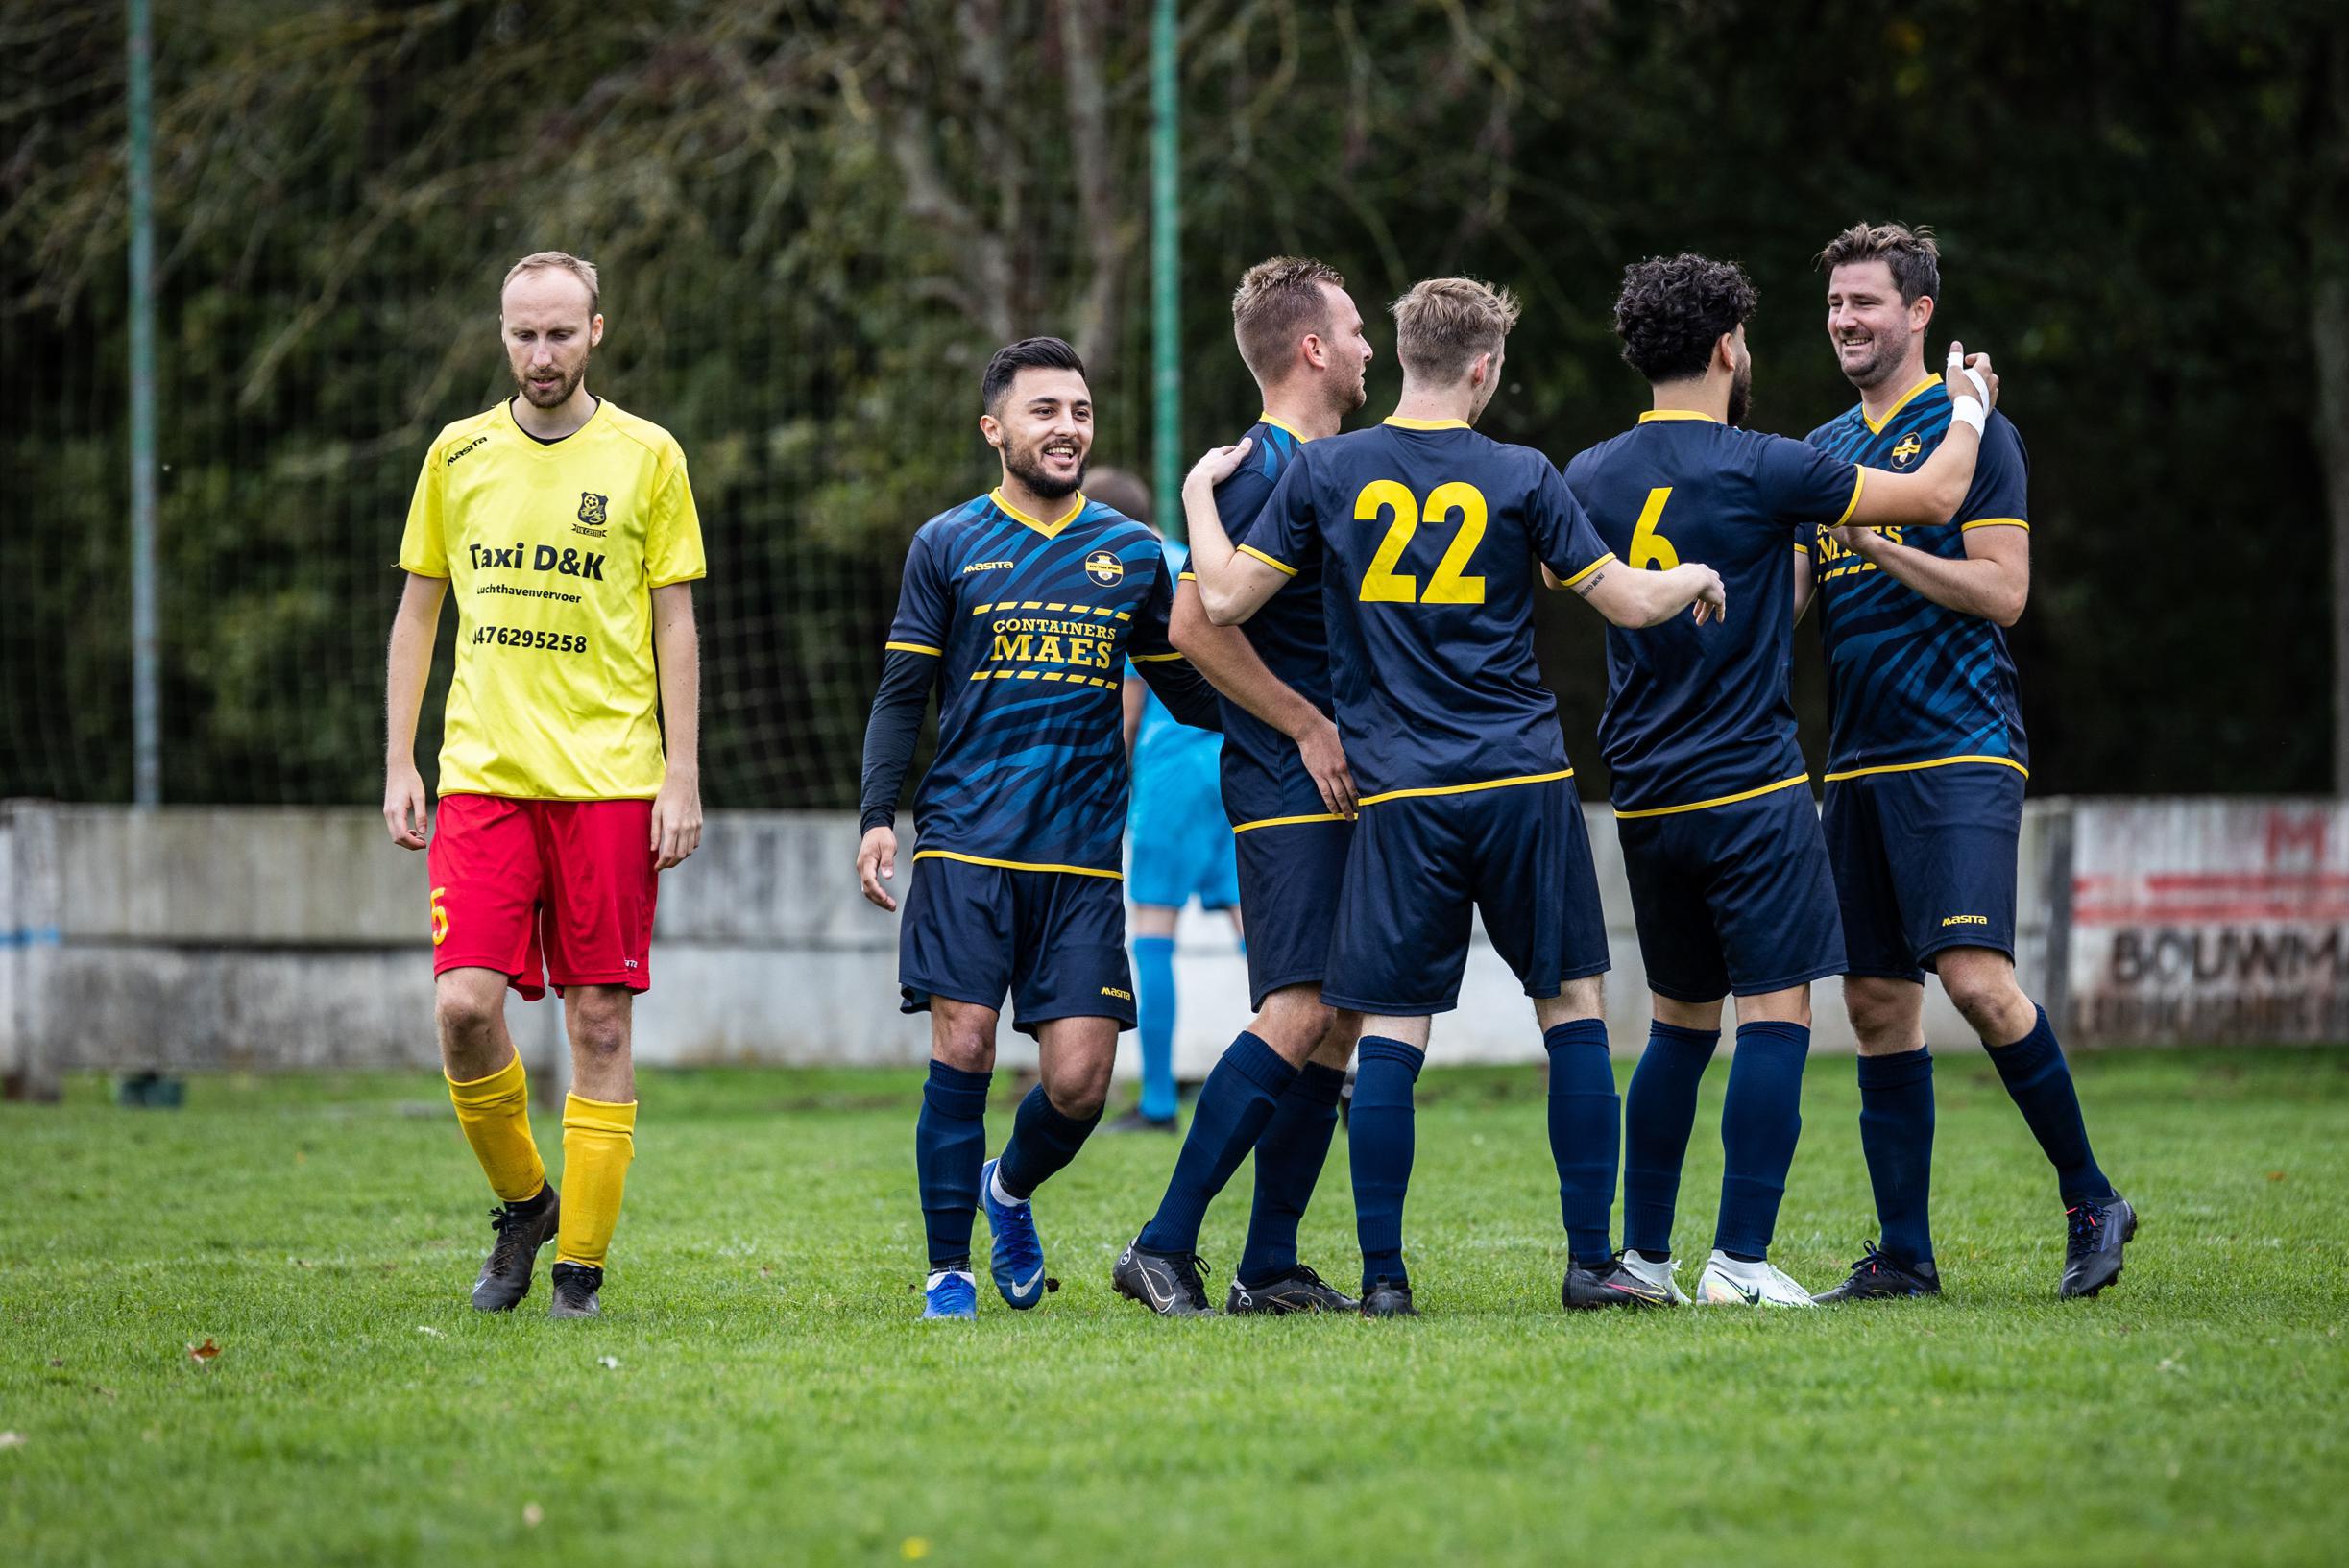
{"points": [[1431, 537], [1700, 716], [1032, 623], [1912, 683], [1264, 779]]}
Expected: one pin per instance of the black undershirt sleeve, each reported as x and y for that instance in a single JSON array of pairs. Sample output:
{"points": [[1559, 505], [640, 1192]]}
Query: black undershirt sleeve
{"points": [[890, 735], [1184, 690]]}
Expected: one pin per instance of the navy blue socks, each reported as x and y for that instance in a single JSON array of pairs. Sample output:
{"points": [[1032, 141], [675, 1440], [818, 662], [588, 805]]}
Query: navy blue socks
{"points": [[2039, 1085], [1896, 1133], [950, 1144], [1381, 1141], [1154, 1023], [1584, 1132], [1289, 1160], [1657, 1116], [1042, 1141], [1760, 1125], [1234, 1108]]}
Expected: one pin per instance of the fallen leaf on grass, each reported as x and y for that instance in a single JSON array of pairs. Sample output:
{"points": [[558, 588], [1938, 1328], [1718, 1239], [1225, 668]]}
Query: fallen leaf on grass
{"points": [[610, 1363], [205, 1354], [913, 1547], [533, 1515], [13, 1439], [2166, 1365], [426, 1328], [57, 1360], [2275, 1176]]}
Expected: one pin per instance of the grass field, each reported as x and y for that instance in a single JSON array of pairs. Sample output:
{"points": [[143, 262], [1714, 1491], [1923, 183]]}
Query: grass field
{"points": [[758, 1389]]}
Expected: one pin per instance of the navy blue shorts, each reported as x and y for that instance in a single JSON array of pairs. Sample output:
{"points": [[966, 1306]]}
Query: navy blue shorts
{"points": [[1055, 940], [1925, 860], [1734, 898], [1291, 875], [1519, 854]]}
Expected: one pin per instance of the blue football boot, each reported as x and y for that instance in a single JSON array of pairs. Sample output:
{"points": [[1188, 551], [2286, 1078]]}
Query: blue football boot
{"points": [[951, 1292], [1017, 1259]]}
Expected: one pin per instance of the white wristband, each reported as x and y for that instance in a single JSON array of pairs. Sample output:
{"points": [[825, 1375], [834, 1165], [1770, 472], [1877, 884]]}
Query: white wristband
{"points": [[1958, 367], [1966, 409]]}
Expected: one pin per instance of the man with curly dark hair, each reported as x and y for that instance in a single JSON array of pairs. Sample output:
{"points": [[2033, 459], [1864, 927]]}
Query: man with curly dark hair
{"points": [[1731, 886]]}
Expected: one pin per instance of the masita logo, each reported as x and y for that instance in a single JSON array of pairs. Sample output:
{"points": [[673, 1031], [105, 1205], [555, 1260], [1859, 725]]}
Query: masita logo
{"points": [[1905, 451], [988, 565], [1103, 568], [478, 441]]}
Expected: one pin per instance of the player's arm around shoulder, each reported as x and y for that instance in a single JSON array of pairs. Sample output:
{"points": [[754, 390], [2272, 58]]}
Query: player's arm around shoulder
{"points": [[1233, 584], [1934, 492], [1574, 557], [1640, 598], [1992, 576]]}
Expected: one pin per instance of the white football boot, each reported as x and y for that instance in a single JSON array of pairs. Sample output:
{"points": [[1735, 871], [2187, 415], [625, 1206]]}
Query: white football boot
{"points": [[1728, 1283], [1658, 1275]]}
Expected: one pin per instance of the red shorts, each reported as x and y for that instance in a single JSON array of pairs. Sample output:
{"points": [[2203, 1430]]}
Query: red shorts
{"points": [[570, 880]]}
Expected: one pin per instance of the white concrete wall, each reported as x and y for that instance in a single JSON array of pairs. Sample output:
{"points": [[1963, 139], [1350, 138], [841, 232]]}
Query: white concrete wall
{"points": [[272, 938]]}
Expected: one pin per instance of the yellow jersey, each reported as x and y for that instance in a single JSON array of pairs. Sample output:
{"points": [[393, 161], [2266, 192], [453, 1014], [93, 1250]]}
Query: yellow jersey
{"points": [[554, 550]]}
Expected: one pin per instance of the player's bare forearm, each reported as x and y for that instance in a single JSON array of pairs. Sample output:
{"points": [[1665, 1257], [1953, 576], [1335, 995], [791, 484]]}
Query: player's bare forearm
{"points": [[1231, 586], [1634, 599], [1929, 495], [677, 646], [1802, 581], [1229, 662], [1227, 659], [676, 811], [407, 666], [1211, 551], [1993, 580]]}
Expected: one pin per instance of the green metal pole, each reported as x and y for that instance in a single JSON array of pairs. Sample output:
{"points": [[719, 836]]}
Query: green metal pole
{"points": [[1166, 270], [146, 738]]}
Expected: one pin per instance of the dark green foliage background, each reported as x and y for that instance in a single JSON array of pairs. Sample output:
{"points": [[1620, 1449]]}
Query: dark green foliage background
{"points": [[2131, 200]]}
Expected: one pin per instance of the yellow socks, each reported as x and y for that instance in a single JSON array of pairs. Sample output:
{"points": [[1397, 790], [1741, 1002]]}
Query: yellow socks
{"points": [[598, 1141], [495, 1113]]}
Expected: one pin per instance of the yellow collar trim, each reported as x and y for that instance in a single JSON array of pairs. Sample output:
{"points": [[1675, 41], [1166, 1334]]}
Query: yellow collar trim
{"points": [[1426, 424], [1875, 427], [1654, 414], [1295, 433], [1047, 529]]}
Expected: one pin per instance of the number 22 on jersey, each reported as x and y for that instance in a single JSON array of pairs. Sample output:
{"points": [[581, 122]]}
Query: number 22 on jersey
{"points": [[1382, 584]]}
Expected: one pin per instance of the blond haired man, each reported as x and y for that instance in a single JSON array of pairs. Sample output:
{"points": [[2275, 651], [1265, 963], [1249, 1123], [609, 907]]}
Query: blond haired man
{"points": [[1291, 805], [568, 529], [1428, 536]]}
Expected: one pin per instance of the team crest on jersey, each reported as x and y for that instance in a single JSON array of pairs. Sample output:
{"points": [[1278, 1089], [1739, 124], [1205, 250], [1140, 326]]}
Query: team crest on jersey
{"points": [[1105, 569], [1906, 452], [592, 508]]}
